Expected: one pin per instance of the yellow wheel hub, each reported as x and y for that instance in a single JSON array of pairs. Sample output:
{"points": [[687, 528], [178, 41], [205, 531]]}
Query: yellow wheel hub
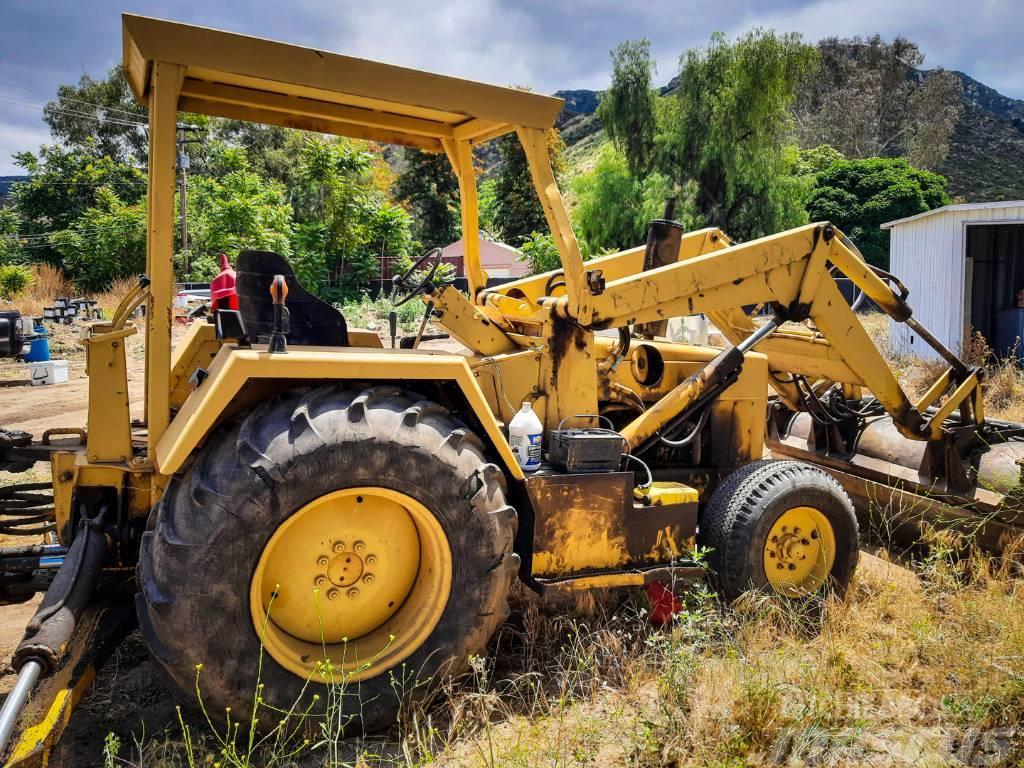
{"points": [[799, 552], [358, 577]]}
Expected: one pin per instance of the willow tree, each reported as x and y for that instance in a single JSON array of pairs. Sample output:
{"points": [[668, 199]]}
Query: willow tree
{"points": [[728, 129], [627, 108]]}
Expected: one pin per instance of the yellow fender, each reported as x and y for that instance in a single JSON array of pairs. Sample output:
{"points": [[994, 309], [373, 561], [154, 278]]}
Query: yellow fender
{"points": [[233, 368]]}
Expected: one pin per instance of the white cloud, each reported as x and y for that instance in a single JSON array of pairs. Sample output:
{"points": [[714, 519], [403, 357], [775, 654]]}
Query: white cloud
{"points": [[19, 138], [479, 39]]}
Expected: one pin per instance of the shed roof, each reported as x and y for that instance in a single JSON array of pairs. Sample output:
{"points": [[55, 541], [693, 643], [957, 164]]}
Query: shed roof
{"points": [[250, 78], [956, 207]]}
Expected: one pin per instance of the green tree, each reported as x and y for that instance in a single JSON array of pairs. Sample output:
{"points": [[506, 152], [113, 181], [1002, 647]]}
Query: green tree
{"points": [[860, 195], [238, 211], [100, 118], [517, 212], [811, 162], [346, 226], [64, 183], [613, 205], [428, 187], [541, 253], [107, 241], [627, 108], [10, 247], [727, 128]]}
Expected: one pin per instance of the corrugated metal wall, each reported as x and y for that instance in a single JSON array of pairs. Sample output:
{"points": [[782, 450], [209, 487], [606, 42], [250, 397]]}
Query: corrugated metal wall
{"points": [[928, 255]]}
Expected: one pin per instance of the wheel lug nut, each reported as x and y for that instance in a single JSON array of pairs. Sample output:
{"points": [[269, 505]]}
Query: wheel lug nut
{"points": [[353, 592], [320, 580], [792, 566], [371, 559], [359, 546], [368, 578], [332, 594], [339, 546], [322, 561]]}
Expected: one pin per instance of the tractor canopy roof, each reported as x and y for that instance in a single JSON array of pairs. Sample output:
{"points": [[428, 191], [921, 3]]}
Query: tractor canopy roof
{"points": [[249, 78]]}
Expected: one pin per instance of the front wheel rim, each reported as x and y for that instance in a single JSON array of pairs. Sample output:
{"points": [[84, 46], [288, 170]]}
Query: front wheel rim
{"points": [[799, 552], [351, 584]]}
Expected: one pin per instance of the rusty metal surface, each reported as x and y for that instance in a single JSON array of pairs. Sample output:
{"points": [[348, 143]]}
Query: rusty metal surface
{"points": [[589, 522]]}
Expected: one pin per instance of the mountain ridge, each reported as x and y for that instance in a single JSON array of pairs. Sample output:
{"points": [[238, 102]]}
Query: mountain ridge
{"points": [[986, 152]]}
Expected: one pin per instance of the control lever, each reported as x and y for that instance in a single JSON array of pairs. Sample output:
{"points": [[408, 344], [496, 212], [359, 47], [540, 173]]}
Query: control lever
{"points": [[278, 294], [393, 326]]}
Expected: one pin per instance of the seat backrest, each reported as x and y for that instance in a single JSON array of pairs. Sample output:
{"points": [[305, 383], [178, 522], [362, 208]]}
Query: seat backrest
{"points": [[314, 322]]}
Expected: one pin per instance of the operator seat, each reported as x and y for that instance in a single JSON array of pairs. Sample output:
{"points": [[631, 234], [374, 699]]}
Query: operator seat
{"points": [[314, 322]]}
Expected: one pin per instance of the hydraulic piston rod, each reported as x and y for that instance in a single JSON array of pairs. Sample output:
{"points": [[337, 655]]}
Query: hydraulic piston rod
{"points": [[708, 381], [15, 701]]}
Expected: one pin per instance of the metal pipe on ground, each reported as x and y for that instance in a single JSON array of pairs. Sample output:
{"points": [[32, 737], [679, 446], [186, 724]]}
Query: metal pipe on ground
{"points": [[58, 615]]}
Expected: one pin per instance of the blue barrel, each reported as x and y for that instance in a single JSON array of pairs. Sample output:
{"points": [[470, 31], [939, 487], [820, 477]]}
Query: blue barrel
{"points": [[39, 347]]}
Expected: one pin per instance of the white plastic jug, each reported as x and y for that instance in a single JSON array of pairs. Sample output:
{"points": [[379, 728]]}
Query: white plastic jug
{"points": [[524, 435]]}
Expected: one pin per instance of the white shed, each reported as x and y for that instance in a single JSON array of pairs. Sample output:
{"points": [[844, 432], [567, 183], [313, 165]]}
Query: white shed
{"points": [[964, 266]]}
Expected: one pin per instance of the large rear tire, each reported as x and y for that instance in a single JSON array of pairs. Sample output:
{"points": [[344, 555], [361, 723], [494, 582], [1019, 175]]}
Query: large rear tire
{"points": [[781, 527], [282, 497]]}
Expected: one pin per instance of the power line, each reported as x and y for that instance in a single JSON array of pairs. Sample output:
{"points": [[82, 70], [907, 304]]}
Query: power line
{"points": [[88, 115], [77, 101]]}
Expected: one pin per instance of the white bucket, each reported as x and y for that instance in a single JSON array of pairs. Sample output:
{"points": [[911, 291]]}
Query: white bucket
{"points": [[48, 372]]}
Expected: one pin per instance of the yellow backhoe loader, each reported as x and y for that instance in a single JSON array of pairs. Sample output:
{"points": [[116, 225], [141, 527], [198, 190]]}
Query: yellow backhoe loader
{"points": [[357, 513]]}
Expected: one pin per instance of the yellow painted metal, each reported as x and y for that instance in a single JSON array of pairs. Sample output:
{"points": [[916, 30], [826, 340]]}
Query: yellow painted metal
{"points": [[109, 427], [387, 102], [602, 581], [233, 368], [664, 492], [196, 350], [460, 154], [799, 552], [568, 372], [165, 84], [578, 301], [965, 391], [62, 469], [507, 381], [935, 391], [469, 325], [648, 423], [351, 584]]}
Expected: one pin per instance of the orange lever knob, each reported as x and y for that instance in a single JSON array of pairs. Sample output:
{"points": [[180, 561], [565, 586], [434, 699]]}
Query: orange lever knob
{"points": [[278, 289]]}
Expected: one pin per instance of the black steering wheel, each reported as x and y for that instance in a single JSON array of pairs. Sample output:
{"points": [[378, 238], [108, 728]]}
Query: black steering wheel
{"points": [[401, 282]]}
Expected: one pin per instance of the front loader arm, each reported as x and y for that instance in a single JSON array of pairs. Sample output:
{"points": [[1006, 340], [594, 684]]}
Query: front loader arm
{"points": [[791, 272]]}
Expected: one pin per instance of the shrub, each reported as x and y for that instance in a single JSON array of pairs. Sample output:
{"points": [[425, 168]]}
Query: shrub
{"points": [[14, 279]]}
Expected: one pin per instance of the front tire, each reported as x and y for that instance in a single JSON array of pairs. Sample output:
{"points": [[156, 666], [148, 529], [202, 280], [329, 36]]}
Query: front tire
{"points": [[781, 527], [282, 498]]}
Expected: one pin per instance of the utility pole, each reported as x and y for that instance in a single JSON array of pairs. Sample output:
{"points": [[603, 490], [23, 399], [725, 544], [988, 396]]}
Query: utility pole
{"points": [[185, 137]]}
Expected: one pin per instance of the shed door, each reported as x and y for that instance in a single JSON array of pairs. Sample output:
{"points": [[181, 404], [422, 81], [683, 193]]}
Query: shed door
{"points": [[996, 252]]}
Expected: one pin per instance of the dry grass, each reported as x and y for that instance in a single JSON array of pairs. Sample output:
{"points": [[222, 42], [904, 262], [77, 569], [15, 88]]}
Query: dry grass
{"points": [[110, 298], [906, 670], [1003, 382], [48, 283]]}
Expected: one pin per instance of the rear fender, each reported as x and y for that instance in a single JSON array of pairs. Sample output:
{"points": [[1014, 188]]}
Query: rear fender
{"points": [[234, 369]]}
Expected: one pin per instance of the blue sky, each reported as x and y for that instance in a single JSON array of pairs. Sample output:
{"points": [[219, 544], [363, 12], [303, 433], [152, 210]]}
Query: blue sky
{"points": [[546, 44]]}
